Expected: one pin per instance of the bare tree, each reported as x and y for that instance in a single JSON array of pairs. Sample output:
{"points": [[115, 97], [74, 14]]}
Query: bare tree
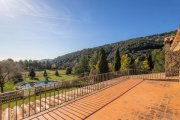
{"points": [[9, 70]]}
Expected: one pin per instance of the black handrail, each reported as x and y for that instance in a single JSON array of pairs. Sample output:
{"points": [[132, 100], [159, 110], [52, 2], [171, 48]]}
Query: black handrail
{"points": [[20, 104]]}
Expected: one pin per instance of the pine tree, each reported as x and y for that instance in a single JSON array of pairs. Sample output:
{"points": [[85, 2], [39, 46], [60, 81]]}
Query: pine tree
{"points": [[94, 60], [56, 73], [117, 63], [45, 73], [32, 73], [158, 58], [102, 64], [150, 62], [82, 66]]}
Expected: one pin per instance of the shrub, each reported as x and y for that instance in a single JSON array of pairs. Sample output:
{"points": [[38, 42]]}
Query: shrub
{"points": [[68, 71], [32, 74], [45, 73], [56, 73]]}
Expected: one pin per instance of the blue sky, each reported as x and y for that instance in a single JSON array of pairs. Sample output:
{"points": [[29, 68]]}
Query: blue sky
{"points": [[38, 29]]}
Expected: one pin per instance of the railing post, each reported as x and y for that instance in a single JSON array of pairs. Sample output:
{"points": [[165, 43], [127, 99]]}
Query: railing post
{"points": [[65, 91], [0, 107], [45, 96], [23, 105], [29, 91]]}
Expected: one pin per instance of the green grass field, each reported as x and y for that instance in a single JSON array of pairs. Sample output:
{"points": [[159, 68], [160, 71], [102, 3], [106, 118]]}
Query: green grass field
{"points": [[39, 74], [51, 76], [34, 97]]}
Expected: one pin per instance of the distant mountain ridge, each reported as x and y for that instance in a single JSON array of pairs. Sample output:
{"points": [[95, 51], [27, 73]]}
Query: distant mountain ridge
{"points": [[136, 47], [45, 60]]}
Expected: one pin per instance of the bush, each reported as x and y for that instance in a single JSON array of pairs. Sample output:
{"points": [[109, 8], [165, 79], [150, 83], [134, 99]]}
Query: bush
{"points": [[68, 71], [45, 73], [18, 80], [37, 79], [32, 74], [57, 73]]}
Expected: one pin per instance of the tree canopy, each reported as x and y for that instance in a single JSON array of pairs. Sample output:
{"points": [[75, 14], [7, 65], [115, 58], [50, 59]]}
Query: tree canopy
{"points": [[83, 66], [125, 62], [117, 60], [102, 63]]}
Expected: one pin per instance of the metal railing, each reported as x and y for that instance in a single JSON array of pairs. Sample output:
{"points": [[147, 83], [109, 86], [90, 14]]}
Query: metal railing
{"points": [[149, 75], [21, 104]]}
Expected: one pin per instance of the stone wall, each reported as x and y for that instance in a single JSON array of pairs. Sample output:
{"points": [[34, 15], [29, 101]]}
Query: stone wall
{"points": [[172, 58]]}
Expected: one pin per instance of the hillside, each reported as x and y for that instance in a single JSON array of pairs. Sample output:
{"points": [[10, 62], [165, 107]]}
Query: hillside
{"points": [[134, 47]]}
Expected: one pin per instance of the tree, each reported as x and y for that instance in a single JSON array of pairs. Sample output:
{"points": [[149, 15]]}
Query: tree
{"points": [[82, 66], [56, 73], [137, 63], [53, 66], [94, 60], [158, 58], [102, 63], [132, 63], [45, 73], [9, 70], [4, 72], [125, 62], [32, 73], [117, 63], [150, 62], [110, 66], [68, 70], [145, 65]]}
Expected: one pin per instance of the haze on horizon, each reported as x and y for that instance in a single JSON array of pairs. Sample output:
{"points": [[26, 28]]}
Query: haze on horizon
{"points": [[41, 29]]}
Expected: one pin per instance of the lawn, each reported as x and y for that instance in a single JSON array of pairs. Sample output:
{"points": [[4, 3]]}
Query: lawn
{"points": [[51, 76], [39, 74], [34, 97]]}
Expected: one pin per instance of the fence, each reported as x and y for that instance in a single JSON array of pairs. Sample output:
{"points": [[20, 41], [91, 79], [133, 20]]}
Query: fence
{"points": [[21, 104], [148, 75]]}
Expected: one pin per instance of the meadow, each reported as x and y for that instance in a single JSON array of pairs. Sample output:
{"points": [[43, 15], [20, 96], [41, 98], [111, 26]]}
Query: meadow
{"points": [[39, 74], [51, 76]]}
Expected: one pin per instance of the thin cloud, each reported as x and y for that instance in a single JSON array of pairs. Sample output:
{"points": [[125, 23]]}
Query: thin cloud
{"points": [[16, 8]]}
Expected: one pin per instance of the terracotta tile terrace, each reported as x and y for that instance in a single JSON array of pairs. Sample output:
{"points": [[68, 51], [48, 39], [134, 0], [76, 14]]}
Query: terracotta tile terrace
{"points": [[132, 99]]}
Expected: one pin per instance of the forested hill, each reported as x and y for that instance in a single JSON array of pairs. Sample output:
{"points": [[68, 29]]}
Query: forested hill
{"points": [[137, 47]]}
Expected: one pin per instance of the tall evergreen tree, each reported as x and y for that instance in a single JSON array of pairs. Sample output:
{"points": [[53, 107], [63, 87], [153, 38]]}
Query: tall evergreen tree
{"points": [[45, 73], [82, 66], [102, 64], [117, 62], [158, 58], [150, 62], [56, 73], [94, 60], [32, 73]]}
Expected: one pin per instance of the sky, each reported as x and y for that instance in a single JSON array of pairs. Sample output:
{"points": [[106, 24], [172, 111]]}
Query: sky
{"points": [[41, 29]]}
